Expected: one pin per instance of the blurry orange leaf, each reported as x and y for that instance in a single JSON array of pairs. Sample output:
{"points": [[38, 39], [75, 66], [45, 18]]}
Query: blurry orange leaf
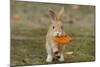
{"points": [[16, 17], [64, 40]]}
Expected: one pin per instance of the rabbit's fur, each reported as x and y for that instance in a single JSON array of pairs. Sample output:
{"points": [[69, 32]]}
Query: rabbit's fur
{"points": [[55, 29]]}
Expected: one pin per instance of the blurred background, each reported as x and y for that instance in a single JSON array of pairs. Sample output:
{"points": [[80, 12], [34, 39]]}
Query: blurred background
{"points": [[29, 25]]}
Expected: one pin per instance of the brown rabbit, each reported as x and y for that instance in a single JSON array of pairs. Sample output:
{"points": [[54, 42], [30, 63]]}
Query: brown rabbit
{"points": [[55, 29]]}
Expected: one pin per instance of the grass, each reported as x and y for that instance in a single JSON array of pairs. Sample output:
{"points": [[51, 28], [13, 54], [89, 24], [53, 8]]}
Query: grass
{"points": [[28, 33], [31, 50]]}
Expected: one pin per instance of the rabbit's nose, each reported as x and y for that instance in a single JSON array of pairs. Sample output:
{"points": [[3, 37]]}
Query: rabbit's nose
{"points": [[57, 33]]}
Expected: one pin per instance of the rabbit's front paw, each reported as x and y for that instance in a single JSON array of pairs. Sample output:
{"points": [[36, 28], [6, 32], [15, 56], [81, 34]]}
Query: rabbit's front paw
{"points": [[61, 59], [49, 59]]}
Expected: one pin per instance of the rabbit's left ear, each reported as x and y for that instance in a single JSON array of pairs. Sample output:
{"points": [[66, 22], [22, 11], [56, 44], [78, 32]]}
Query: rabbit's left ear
{"points": [[52, 14], [60, 13]]}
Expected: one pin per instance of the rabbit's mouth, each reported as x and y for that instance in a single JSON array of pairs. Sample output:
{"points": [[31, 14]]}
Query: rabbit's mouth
{"points": [[57, 33]]}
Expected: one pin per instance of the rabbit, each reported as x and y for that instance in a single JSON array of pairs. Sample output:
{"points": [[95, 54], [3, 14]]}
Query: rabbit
{"points": [[55, 29]]}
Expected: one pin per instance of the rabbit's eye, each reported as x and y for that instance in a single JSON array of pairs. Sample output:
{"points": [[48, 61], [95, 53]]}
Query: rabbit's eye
{"points": [[61, 27], [53, 27]]}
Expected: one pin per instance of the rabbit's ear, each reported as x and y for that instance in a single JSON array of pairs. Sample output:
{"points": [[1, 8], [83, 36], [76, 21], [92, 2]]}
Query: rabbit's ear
{"points": [[52, 14], [60, 13]]}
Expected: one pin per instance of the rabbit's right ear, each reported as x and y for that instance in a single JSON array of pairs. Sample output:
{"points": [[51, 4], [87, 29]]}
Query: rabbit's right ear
{"points": [[60, 13], [52, 14]]}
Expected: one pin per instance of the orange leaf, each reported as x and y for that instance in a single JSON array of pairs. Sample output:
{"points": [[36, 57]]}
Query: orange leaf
{"points": [[62, 39]]}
